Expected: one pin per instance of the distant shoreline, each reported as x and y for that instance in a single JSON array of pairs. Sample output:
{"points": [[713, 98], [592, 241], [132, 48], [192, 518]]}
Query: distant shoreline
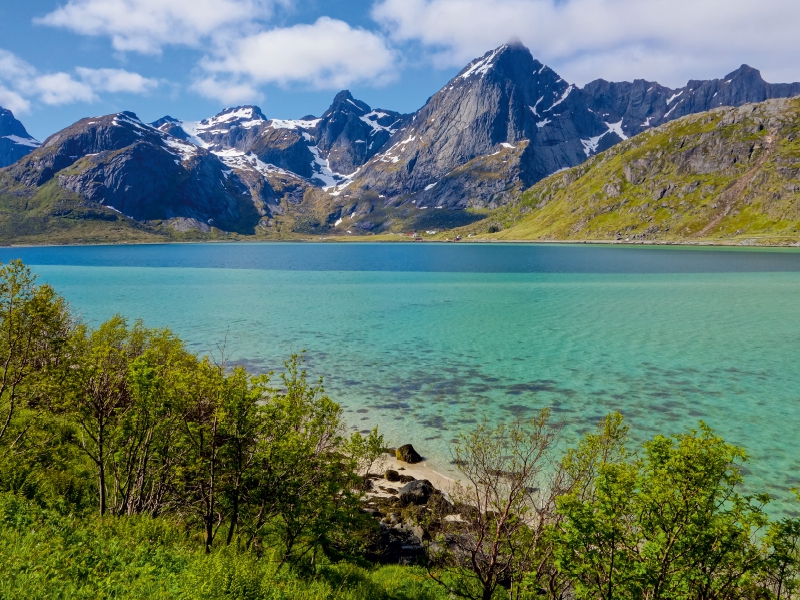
{"points": [[474, 241]]}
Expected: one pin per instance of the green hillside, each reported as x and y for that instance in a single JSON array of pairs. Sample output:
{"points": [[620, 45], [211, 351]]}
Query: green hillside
{"points": [[731, 175]]}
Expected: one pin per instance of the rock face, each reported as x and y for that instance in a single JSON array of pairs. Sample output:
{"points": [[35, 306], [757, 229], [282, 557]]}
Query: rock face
{"points": [[406, 453], [15, 142], [120, 163], [504, 101], [644, 104], [416, 492]]}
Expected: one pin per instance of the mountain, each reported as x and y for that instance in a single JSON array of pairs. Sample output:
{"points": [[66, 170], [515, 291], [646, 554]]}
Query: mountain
{"points": [[116, 166], [503, 124], [323, 150], [506, 121], [15, 142], [729, 175], [644, 104]]}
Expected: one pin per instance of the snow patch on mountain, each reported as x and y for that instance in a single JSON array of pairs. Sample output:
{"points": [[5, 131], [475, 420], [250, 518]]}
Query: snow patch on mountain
{"points": [[242, 161], [294, 124], [482, 66], [372, 118], [245, 116], [673, 97], [192, 129], [617, 128], [183, 149], [533, 108], [23, 141], [590, 146], [324, 173], [563, 97]]}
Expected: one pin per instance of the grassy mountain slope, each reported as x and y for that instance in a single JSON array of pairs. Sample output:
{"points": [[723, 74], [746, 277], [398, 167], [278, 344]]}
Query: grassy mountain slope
{"points": [[730, 175]]}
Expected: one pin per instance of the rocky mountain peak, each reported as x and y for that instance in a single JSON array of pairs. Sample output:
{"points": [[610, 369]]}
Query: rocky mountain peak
{"points": [[238, 116], [166, 119], [344, 102], [9, 125], [745, 72], [15, 141]]}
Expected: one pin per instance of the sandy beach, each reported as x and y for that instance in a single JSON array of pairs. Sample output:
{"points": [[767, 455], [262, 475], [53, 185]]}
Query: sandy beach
{"points": [[420, 470]]}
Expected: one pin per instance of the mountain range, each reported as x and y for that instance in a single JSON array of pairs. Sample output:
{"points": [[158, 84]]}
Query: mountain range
{"points": [[503, 124]]}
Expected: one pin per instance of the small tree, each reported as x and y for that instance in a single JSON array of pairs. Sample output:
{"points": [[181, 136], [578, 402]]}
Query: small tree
{"points": [[781, 569], [502, 501], [146, 442], [35, 324], [367, 452]]}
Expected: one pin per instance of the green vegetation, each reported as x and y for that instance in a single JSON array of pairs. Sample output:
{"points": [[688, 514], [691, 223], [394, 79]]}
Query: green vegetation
{"points": [[130, 468]]}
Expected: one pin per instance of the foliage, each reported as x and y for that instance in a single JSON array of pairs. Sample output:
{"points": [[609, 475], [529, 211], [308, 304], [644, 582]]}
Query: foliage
{"points": [[504, 497], [130, 467]]}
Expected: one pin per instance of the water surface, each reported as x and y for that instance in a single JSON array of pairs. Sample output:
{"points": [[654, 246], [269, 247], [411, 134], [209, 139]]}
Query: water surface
{"points": [[424, 339]]}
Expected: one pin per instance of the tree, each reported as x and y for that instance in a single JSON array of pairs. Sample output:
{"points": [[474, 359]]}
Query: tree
{"points": [[668, 524], [503, 500], [781, 568], [98, 395], [35, 324], [314, 479], [146, 445], [366, 452]]}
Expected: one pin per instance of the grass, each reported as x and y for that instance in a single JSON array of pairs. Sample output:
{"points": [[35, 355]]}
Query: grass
{"points": [[46, 555]]}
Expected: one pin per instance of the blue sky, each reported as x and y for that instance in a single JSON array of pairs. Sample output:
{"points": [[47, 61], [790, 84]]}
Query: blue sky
{"points": [[61, 60]]}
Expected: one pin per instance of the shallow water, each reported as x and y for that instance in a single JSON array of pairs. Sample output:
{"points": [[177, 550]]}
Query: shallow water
{"points": [[424, 339]]}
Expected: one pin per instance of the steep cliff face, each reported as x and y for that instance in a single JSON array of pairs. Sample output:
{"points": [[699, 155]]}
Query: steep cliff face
{"points": [[15, 142], [729, 174], [349, 133], [122, 164], [503, 123], [644, 104]]}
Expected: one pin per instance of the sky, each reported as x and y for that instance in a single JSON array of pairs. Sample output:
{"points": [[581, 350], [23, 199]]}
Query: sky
{"points": [[62, 60]]}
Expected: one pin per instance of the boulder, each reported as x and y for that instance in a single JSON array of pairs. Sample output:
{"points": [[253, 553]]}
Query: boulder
{"points": [[392, 475], [416, 492], [406, 453]]}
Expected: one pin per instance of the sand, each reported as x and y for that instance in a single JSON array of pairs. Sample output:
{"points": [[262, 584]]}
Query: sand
{"points": [[421, 470]]}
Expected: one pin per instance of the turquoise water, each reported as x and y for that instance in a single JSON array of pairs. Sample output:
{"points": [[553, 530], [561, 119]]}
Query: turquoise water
{"points": [[425, 339]]}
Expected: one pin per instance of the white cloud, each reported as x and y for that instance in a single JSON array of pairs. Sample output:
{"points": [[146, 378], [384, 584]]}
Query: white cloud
{"points": [[20, 83], [116, 80], [328, 54], [147, 25], [61, 88], [227, 92], [13, 101], [615, 39]]}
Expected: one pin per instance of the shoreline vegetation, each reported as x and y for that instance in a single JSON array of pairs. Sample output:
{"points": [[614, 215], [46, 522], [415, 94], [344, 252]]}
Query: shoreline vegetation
{"points": [[131, 467]]}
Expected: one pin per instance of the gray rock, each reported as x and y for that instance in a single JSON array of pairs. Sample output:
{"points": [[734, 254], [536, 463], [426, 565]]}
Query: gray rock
{"points": [[416, 492]]}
